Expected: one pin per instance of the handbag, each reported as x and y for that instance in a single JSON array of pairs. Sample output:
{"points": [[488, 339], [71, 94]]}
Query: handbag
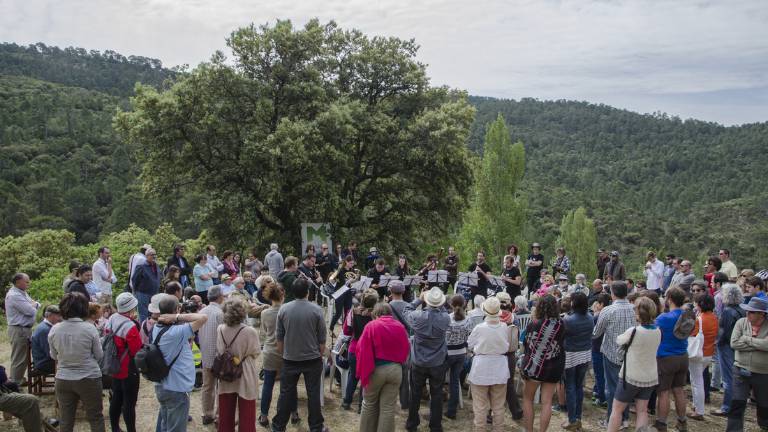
{"points": [[696, 344]]}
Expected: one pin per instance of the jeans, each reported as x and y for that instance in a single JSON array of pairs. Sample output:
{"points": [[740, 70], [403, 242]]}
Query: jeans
{"points": [[379, 399], [144, 300], [725, 358], [343, 304], [574, 390], [597, 368], [266, 393], [717, 374], [742, 387], [174, 410], [349, 390], [286, 403], [455, 364], [405, 387], [513, 403], [696, 372], [419, 377], [611, 381], [125, 393]]}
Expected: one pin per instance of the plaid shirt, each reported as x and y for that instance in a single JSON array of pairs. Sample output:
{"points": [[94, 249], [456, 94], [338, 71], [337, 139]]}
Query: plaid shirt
{"points": [[209, 332], [613, 321]]}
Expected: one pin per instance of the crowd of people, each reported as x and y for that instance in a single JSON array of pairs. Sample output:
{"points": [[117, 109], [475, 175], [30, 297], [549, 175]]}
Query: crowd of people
{"points": [[231, 330]]}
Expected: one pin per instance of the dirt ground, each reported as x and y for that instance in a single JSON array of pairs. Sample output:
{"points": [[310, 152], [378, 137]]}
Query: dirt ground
{"points": [[339, 420]]}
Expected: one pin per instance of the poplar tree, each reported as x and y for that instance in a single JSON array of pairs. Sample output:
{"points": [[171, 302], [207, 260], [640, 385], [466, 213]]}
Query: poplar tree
{"points": [[578, 236]]}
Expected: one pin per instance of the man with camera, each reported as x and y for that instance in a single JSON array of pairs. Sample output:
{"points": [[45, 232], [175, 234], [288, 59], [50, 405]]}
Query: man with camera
{"points": [[173, 391]]}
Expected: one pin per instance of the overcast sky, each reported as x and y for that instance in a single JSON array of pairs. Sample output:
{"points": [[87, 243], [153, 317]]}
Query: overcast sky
{"points": [[695, 59]]}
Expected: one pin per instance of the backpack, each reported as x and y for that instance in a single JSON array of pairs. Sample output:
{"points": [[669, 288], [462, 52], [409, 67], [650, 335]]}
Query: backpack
{"points": [[684, 324], [111, 363], [150, 361], [227, 366]]}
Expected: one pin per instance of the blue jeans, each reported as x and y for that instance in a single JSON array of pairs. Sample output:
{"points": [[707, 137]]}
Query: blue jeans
{"points": [[266, 393], [144, 300], [597, 367], [611, 381], [174, 410], [574, 390], [455, 364], [349, 391], [725, 357]]}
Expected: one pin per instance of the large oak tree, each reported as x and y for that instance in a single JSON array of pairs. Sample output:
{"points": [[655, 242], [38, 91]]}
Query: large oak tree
{"points": [[308, 125]]}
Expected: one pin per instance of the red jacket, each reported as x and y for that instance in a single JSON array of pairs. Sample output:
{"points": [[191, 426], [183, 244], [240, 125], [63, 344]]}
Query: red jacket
{"points": [[383, 339], [126, 337]]}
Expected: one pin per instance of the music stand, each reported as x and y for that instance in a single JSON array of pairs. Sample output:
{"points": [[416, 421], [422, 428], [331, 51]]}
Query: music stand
{"points": [[437, 276], [363, 284], [469, 279], [385, 280], [339, 292]]}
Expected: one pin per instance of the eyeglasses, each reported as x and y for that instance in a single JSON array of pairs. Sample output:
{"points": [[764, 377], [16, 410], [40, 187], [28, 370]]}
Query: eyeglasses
{"points": [[697, 290], [325, 248]]}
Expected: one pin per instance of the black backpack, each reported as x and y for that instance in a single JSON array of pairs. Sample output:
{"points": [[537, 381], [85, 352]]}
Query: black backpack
{"points": [[150, 361]]}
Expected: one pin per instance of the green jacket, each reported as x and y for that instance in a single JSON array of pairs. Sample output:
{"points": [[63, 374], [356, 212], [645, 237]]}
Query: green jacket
{"points": [[751, 352], [286, 278]]}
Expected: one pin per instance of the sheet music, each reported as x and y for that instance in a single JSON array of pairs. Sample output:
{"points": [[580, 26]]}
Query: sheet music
{"points": [[437, 276], [339, 292]]}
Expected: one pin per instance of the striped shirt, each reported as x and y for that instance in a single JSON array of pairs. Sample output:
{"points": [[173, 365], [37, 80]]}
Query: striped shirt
{"points": [[575, 358], [613, 321]]}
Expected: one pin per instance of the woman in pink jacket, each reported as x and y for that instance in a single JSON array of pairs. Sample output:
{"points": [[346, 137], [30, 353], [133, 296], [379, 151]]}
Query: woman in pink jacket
{"points": [[381, 351]]}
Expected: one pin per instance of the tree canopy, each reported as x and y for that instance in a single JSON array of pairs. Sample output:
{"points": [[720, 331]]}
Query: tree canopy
{"points": [[305, 125]]}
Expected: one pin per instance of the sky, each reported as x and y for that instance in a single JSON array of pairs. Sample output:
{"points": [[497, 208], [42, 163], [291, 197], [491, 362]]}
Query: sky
{"points": [[690, 58]]}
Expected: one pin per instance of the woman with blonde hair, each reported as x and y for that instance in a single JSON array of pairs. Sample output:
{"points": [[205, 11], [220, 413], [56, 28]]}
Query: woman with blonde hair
{"points": [[271, 358], [242, 341]]}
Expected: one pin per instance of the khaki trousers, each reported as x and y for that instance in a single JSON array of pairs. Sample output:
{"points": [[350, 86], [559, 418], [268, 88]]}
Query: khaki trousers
{"points": [[380, 397], [19, 345], [24, 406], [485, 398], [208, 393]]}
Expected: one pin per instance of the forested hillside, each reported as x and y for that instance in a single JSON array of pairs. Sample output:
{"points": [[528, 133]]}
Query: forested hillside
{"points": [[647, 180]]}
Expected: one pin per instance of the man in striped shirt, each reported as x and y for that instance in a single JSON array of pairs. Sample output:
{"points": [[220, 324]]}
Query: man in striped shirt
{"points": [[613, 321]]}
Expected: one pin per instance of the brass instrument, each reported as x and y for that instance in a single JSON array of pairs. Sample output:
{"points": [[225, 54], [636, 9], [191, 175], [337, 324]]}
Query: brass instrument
{"points": [[333, 276]]}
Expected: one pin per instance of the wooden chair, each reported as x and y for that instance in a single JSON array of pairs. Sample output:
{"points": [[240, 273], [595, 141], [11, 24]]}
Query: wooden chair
{"points": [[38, 383]]}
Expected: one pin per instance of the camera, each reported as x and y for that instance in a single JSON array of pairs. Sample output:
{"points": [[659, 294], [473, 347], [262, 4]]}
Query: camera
{"points": [[189, 306]]}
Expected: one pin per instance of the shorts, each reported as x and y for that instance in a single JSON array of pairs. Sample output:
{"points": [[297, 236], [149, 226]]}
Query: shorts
{"points": [[628, 393], [673, 371]]}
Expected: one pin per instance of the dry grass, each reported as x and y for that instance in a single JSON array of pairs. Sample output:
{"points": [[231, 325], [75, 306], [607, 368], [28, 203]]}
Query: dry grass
{"points": [[347, 421]]}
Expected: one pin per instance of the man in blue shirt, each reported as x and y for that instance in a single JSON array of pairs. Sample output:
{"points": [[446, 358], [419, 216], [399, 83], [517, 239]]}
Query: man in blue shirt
{"points": [[669, 271], [173, 391], [41, 353], [672, 360]]}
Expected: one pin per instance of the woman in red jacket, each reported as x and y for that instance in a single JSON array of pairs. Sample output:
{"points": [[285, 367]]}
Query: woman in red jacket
{"points": [[381, 351], [125, 384]]}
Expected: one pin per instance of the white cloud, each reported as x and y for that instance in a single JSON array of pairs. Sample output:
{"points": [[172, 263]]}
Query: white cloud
{"points": [[643, 55]]}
